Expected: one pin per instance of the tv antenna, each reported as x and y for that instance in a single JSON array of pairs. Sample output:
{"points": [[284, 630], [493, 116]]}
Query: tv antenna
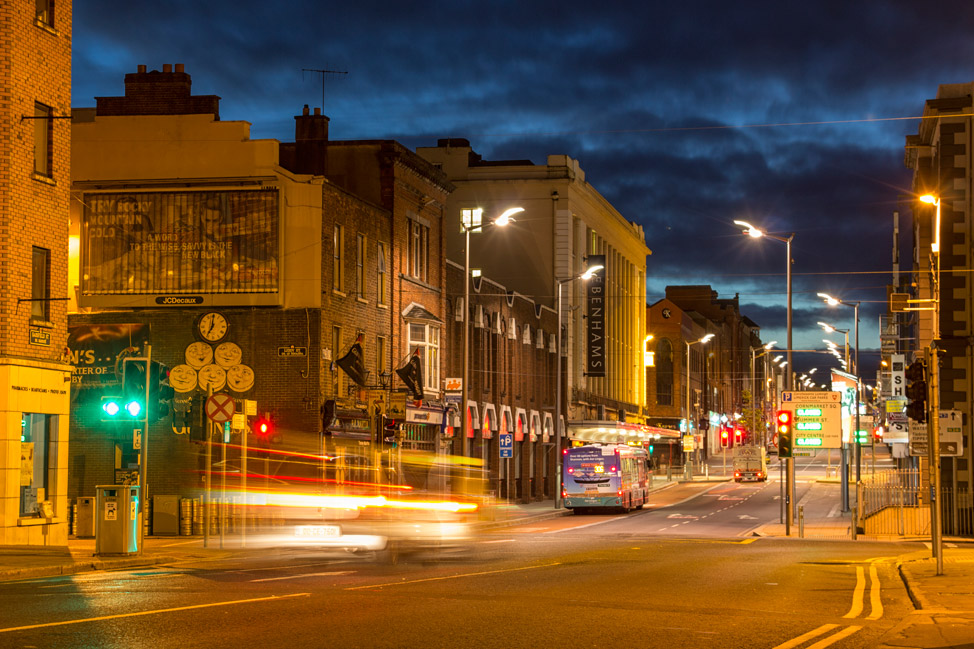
{"points": [[322, 74]]}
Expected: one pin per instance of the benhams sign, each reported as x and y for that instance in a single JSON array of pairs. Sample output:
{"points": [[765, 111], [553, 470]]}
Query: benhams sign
{"points": [[596, 318]]}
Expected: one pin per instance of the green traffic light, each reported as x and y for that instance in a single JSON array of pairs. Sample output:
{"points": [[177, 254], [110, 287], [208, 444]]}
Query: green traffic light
{"points": [[133, 408], [111, 408]]}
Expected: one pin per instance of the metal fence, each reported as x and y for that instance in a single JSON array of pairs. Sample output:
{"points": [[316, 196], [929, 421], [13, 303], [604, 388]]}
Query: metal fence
{"points": [[897, 502]]}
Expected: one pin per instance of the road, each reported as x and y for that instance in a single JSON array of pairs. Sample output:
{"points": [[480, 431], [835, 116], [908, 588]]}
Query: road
{"points": [[687, 572]]}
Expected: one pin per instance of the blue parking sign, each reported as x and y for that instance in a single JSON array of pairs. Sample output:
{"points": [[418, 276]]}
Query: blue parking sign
{"points": [[506, 441]]}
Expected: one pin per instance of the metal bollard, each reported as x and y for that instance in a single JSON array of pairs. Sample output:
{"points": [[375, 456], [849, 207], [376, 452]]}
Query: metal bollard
{"points": [[855, 522], [801, 521]]}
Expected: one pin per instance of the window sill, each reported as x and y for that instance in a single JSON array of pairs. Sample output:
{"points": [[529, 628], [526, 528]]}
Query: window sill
{"points": [[46, 27], [338, 293], [27, 522], [47, 180], [385, 307], [361, 300]]}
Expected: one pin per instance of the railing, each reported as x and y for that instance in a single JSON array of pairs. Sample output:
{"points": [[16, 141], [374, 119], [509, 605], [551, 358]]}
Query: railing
{"points": [[898, 503]]}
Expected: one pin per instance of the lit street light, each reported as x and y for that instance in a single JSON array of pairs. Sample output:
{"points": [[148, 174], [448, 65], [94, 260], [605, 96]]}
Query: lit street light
{"points": [[474, 224], [589, 272], [831, 301], [757, 233], [688, 466]]}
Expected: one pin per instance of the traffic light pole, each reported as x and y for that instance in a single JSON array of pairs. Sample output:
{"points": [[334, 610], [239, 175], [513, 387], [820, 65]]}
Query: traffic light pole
{"points": [[933, 451], [144, 449]]}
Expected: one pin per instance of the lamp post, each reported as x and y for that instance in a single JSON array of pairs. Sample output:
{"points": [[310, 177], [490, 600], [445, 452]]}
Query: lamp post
{"points": [[754, 398], [933, 372], [756, 233], [831, 301], [589, 272], [474, 224], [687, 464]]}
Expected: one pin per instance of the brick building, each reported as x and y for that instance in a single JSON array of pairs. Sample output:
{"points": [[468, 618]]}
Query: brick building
{"points": [[35, 152]]}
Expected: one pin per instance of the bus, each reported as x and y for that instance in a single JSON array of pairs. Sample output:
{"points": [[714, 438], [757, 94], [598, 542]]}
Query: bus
{"points": [[599, 477]]}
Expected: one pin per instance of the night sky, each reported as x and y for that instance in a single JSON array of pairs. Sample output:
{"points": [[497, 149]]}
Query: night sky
{"points": [[684, 115]]}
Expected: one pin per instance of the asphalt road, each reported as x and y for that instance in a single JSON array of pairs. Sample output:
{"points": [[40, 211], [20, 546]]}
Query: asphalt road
{"points": [[689, 574]]}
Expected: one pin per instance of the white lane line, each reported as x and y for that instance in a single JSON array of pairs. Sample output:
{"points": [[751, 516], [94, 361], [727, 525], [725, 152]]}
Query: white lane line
{"points": [[307, 574], [152, 612], [857, 594], [844, 633], [468, 574], [874, 598], [794, 642]]}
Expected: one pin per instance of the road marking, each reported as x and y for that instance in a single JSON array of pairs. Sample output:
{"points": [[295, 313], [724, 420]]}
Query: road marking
{"points": [[857, 594], [152, 612], [307, 574], [874, 599], [469, 574], [794, 642], [844, 633]]}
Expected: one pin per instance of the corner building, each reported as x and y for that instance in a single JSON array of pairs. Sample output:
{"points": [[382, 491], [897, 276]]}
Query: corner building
{"points": [[35, 152], [565, 223]]}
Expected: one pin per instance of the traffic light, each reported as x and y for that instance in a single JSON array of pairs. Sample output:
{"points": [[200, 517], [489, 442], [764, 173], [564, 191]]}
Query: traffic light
{"points": [[724, 438], [133, 388], [265, 430], [738, 436], [160, 392], [916, 391], [111, 408], [784, 432]]}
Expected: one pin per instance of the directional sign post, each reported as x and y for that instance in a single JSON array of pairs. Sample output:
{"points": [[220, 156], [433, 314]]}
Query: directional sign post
{"points": [[816, 417], [506, 441]]}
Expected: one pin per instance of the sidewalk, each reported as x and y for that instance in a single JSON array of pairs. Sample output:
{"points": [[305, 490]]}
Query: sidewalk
{"points": [[944, 603]]}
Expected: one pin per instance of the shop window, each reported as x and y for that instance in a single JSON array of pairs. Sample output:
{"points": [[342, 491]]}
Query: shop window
{"points": [[37, 434]]}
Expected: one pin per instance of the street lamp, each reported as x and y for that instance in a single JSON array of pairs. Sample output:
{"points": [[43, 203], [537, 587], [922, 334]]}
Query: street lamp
{"points": [[688, 467], [933, 370], [757, 233], [754, 414], [830, 329], [587, 275], [831, 301], [473, 224]]}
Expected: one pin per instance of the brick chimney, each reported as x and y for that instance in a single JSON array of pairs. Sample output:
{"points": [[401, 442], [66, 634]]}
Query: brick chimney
{"points": [[159, 93], [309, 153]]}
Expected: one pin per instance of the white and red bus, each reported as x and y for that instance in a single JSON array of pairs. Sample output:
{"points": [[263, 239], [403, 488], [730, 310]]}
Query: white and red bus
{"points": [[599, 477]]}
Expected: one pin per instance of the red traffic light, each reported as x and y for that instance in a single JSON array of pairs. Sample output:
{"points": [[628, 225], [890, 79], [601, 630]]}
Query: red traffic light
{"points": [[264, 427], [724, 434]]}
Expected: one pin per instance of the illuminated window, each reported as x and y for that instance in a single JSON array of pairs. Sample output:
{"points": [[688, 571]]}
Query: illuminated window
{"points": [[426, 339], [418, 250], [37, 433], [43, 130], [471, 218], [338, 268], [40, 290]]}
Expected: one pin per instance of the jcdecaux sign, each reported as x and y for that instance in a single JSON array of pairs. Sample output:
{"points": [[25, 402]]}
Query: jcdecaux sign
{"points": [[816, 418]]}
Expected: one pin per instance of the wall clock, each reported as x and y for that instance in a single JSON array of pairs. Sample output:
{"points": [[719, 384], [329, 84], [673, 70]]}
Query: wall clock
{"points": [[212, 326]]}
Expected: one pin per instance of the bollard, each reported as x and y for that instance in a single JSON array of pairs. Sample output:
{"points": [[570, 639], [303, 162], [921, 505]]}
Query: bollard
{"points": [[801, 521], [855, 522]]}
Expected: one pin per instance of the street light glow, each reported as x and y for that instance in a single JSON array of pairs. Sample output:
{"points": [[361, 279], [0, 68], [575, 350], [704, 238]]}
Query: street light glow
{"points": [[505, 218], [590, 271], [750, 230]]}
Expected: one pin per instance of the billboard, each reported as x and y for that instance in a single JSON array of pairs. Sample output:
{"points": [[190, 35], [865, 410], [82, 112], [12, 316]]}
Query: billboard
{"points": [[180, 242]]}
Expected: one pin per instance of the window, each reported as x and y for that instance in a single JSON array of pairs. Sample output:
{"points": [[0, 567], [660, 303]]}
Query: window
{"points": [[360, 266], [418, 249], [40, 290], [426, 339], [45, 12], [472, 219], [43, 130], [664, 373], [36, 435], [382, 275], [338, 268]]}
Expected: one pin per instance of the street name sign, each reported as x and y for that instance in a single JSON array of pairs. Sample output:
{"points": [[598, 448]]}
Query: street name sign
{"points": [[816, 418]]}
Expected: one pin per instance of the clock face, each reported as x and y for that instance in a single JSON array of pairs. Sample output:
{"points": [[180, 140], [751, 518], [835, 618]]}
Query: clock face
{"points": [[212, 326], [666, 313]]}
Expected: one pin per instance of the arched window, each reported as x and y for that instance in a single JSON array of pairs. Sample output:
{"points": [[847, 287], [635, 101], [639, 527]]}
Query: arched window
{"points": [[664, 372]]}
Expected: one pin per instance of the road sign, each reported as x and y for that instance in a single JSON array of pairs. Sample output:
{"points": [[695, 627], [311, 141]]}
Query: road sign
{"points": [[506, 441], [951, 437], [219, 407], [816, 418]]}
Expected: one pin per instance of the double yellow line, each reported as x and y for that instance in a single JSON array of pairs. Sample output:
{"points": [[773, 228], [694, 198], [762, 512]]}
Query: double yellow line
{"points": [[858, 603]]}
